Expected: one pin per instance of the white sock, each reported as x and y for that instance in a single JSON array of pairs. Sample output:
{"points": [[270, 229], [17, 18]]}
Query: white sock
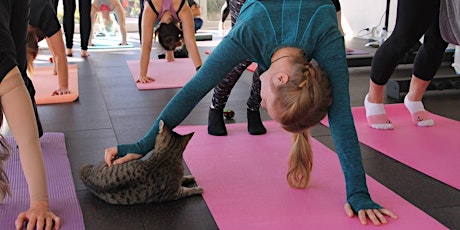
{"points": [[413, 106], [373, 108], [417, 106]]}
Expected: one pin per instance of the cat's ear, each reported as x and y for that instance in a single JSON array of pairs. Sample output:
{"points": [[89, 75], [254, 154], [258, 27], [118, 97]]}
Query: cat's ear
{"points": [[161, 128]]}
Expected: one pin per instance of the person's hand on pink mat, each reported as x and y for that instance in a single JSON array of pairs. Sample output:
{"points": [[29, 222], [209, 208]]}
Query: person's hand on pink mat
{"points": [[39, 216], [111, 157], [144, 79], [60, 92], [377, 216]]}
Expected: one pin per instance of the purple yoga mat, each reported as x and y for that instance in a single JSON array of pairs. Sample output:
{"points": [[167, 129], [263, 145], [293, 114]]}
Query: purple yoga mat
{"points": [[61, 189], [434, 150], [245, 187]]}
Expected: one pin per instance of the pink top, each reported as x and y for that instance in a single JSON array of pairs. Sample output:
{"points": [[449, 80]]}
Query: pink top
{"points": [[167, 5]]}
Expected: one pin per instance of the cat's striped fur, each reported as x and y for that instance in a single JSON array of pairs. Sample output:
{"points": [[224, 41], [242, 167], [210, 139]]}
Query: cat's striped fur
{"points": [[159, 178]]}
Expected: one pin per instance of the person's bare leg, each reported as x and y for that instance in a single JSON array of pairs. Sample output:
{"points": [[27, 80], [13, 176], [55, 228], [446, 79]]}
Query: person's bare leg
{"points": [[375, 110], [122, 22], [413, 102], [417, 88], [93, 14], [69, 52]]}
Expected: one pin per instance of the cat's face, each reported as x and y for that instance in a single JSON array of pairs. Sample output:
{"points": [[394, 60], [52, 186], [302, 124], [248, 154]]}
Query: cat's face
{"points": [[171, 143]]}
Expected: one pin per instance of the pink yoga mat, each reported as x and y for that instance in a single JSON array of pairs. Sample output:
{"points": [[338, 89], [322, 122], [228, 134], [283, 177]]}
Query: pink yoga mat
{"points": [[434, 151], [166, 74], [45, 82], [244, 181], [62, 196]]}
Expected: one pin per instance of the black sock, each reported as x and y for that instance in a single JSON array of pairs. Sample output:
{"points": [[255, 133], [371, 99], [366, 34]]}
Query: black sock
{"points": [[255, 125], [216, 124]]}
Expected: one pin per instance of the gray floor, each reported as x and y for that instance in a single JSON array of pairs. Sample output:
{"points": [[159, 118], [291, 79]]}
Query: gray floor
{"points": [[112, 110]]}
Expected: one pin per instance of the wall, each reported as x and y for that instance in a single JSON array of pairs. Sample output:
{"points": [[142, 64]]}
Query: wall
{"points": [[360, 14]]}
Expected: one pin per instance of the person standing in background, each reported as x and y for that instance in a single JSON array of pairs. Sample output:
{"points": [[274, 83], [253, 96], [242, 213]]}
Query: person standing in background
{"points": [[415, 18], [84, 7]]}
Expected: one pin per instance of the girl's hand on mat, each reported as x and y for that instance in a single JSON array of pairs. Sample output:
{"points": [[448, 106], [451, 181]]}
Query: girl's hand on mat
{"points": [[377, 216], [144, 79], [39, 216], [111, 157], [60, 92]]}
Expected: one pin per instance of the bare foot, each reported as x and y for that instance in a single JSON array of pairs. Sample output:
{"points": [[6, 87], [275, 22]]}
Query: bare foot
{"points": [[123, 43], [69, 53], [84, 53]]}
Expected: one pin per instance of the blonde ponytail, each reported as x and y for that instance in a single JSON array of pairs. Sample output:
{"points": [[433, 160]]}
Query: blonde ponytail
{"points": [[300, 163], [304, 101]]}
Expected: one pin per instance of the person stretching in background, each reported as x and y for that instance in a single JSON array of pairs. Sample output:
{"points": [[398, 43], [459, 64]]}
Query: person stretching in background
{"points": [[44, 24], [167, 14], [105, 7]]}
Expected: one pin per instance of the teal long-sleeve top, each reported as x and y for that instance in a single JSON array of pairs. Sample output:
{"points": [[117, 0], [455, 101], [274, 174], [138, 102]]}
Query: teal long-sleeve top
{"points": [[262, 28]]}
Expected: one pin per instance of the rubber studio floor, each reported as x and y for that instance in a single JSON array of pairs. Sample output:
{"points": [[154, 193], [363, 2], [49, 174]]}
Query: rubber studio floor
{"points": [[110, 110]]}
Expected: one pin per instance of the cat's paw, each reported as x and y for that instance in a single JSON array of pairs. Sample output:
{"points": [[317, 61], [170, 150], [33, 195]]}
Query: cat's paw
{"points": [[199, 189], [188, 179]]}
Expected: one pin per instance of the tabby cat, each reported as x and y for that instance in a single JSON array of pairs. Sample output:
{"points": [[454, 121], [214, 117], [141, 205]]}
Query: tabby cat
{"points": [[159, 178]]}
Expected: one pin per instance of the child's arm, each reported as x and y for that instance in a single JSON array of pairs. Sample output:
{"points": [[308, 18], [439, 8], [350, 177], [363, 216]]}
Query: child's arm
{"points": [[188, 28]]}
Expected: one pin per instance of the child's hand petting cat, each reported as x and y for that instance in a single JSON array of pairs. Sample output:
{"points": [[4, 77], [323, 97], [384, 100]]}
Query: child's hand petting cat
{"points": [[111, 157]]}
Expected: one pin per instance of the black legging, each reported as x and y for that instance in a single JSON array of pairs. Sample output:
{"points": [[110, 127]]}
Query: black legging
{"points": [[223, 89], [415, 18], [84, 6], [14, 24], [225, 10]]}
